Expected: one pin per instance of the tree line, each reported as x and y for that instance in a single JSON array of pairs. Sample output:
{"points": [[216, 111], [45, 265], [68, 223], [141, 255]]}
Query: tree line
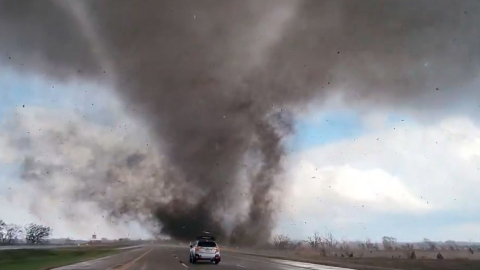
{"points": [[326, 243], [32, 234]]}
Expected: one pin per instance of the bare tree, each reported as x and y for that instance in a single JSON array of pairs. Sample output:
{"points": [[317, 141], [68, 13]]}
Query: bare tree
{"points": [[389, 242], [328, 243], [315, 240], [36, 234], [281, 241], [322, 244], [330, 240], [325, 243], [431, 245], [344, 246], [407, 246], [368, 245]]}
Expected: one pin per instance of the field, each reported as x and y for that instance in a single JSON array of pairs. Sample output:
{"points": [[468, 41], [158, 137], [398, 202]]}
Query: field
{"points": [[381, 260], [42, 259]]}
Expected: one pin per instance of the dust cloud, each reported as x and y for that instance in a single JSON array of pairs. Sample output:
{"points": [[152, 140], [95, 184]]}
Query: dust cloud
{"points": [[218, 83]]}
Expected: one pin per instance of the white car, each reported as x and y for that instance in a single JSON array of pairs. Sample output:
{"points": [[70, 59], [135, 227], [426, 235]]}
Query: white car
{"points": [[205, 249]]}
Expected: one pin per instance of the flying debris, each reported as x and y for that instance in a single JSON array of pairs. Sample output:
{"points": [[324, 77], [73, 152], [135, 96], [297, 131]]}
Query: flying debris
{"points": [[203, 75]]}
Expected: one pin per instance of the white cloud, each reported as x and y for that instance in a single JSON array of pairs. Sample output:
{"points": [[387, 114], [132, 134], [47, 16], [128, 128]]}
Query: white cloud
{"points": [[374, 121], [408, 170]]}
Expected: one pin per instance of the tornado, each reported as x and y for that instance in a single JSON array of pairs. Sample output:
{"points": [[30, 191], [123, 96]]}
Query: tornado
{"points": [[219, 84]]}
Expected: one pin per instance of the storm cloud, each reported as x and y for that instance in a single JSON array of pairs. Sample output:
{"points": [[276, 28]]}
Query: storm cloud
{"points": [[218, 81]]}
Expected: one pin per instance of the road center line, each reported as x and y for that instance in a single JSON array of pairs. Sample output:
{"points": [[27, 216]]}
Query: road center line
{"points": [[241, 266], [126, 266]]}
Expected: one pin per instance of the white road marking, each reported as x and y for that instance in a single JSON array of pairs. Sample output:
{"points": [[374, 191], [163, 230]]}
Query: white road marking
{"points": [[185, 265], [250, 259], [241, 266]]}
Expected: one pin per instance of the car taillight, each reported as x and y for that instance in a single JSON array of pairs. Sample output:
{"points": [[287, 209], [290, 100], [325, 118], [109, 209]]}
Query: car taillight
{"points": [[217, 249], [197, 248]]}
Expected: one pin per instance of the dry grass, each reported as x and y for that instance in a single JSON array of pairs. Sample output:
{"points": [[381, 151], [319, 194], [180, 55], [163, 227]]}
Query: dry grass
{"points": [[379, 260], [40, 259]]}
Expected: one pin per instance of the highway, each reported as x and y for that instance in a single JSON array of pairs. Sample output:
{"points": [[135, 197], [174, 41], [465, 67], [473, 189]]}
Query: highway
{"points": [[176, 258]]}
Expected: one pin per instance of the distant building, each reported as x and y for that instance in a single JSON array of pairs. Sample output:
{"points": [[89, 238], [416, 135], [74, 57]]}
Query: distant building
{"points": [[94, 239]]}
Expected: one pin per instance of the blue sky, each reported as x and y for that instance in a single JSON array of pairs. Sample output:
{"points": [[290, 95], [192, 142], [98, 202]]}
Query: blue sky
{"points": [[317, 135], [325, 128], [31, 90]]}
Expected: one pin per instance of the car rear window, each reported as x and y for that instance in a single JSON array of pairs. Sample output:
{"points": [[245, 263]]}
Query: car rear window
{"points": [[207, 244]]}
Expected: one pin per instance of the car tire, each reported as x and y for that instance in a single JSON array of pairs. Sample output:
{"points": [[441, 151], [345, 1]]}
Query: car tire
{"points": [[190, 258], [194, 260], [217, 261]]}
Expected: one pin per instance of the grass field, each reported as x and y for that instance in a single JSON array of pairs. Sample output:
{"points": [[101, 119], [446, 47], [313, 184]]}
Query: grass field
{"points": [[42, 259], [457, 260]]}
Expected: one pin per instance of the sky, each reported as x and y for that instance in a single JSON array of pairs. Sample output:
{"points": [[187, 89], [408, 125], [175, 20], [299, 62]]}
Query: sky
{"points": [[357, 173]]}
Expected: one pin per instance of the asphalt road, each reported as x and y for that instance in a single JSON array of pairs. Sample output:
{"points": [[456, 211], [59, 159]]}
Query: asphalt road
{"points": [[176, 258]]}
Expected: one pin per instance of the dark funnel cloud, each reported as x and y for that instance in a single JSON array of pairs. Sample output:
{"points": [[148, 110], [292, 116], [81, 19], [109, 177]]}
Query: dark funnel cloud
{"points": [[218, 81]]}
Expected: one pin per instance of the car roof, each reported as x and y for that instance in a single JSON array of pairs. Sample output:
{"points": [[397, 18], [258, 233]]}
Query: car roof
{"points": [[206, 238]]}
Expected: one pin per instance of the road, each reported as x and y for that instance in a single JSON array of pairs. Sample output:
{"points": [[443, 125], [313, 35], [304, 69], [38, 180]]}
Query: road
{"points": [[176, 258]]}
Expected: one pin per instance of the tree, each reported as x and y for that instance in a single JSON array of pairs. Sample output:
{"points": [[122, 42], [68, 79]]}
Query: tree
{"points": [[407, 246], [9, 233], [3, 227], [281, 241], [389, 242], [12, 233], [330, 240], [368, 245], [324, 243], [315, 240], [431, 245], [345, 246], [36, 234]]}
